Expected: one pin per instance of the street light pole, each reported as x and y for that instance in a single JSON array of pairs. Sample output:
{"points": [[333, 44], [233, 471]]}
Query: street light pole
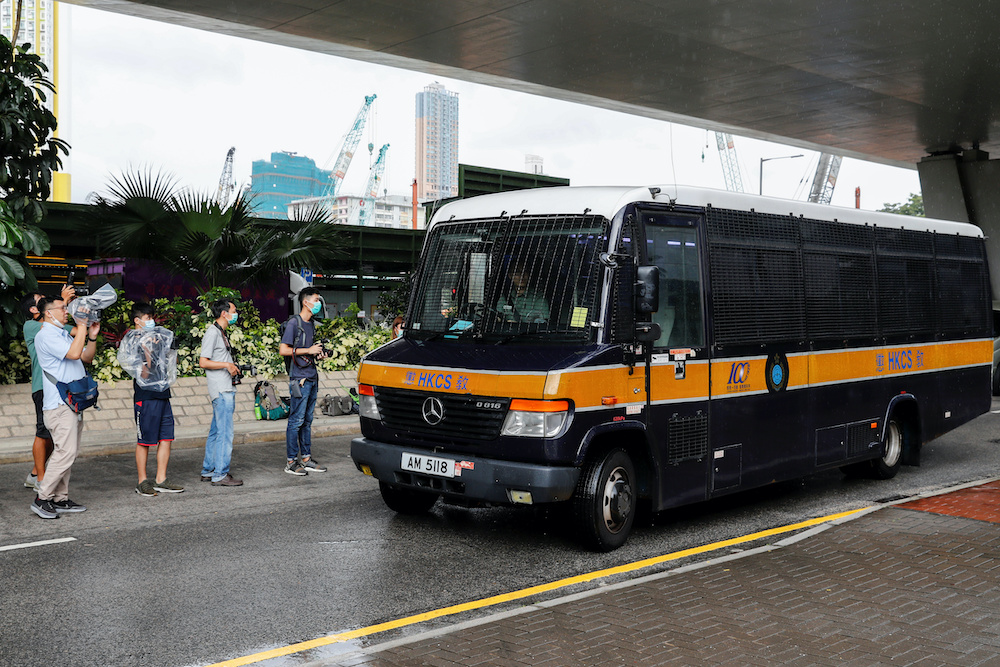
{"points": [[760, 189]]}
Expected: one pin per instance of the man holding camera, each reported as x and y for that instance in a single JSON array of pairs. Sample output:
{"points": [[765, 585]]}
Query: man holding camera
{"points": [[222, 375], [298, 343]]}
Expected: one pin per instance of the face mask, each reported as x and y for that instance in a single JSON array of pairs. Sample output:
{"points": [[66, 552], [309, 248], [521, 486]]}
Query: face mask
{"points": [[232, 320], [149, 324], [316, 307]]}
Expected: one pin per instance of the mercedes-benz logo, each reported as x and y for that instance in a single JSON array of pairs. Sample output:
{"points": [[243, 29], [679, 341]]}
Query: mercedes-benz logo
{"points": [[433, 411]]}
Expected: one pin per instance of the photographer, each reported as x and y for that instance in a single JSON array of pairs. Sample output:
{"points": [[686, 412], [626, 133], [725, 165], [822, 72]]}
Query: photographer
{"points": [[222, 375], [303, 383]]}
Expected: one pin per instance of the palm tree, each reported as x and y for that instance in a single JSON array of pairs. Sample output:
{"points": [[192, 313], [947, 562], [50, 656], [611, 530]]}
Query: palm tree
{"points": [[207, 242]]}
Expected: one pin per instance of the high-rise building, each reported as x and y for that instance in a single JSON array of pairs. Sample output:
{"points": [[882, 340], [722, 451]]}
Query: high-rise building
{"points": [[277, 182], [40, 27], [437, 143]]}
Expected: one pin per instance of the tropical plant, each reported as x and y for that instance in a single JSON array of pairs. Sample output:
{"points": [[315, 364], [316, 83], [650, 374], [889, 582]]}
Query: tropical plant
{"points": [[29, 153], [913, 206], [145, 215]]}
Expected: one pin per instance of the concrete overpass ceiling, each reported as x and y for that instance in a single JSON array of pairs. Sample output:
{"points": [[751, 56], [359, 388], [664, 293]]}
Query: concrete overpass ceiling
{"points": [[883, 80]]}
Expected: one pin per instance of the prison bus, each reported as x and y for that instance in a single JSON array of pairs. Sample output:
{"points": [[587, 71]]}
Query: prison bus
{"points": [[609, 346]]}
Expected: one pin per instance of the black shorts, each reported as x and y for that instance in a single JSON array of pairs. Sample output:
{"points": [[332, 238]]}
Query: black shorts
{"points": [[40, 430], [154, 421]]}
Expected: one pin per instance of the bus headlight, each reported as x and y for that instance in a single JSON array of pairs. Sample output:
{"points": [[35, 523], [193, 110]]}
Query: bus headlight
{"points": [[366, 402], [536, 419]]}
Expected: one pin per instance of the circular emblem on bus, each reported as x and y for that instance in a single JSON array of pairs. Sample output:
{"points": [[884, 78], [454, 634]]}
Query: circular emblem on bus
{"points": [[777, 372], [432, 411]]}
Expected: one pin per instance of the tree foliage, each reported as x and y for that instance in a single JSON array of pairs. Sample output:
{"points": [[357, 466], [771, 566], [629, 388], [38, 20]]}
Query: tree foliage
{"points": [[913, 206], [29, 154], [145, 215]]}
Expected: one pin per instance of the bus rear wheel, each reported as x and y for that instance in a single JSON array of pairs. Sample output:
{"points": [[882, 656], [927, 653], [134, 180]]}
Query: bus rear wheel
{"points": [[406, 501], [605, 501], [888, 464]]}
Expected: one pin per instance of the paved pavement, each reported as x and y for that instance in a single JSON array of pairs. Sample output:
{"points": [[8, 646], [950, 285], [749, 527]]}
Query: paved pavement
{"points": [[917, 583]]}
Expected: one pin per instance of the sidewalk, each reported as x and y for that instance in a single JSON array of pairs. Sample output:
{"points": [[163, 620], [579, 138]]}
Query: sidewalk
{"points": [[122, 441], [917, 583]]}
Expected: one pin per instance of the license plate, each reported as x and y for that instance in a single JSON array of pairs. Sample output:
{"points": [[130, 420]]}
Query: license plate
{"points": [[428, 465]]}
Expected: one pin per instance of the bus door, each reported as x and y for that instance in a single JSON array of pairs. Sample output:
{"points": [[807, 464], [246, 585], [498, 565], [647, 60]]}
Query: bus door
{"points": [[678, 419]]}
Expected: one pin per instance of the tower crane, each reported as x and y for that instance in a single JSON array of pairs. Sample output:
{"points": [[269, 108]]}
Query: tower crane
{"points": [[226, 182], [825, 178], [730, 165], [347, 152], [371, 189]]}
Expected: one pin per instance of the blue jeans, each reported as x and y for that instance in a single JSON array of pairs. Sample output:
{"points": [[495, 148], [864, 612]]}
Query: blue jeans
{"points": [[298, 434], [219, 445]]}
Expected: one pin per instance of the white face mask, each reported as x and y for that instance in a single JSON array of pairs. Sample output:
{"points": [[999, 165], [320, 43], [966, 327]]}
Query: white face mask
{"points": [[149, 324]]}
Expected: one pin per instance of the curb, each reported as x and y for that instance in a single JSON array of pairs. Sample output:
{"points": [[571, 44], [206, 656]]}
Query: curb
{"points": [[105, 443]]}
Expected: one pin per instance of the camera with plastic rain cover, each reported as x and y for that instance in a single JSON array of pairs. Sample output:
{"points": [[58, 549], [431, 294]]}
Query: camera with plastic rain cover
{"points": [[243, 369]]}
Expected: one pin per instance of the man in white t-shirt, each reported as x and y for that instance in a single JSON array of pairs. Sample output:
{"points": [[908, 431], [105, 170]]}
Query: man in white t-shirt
{"points": [[62, 357]]}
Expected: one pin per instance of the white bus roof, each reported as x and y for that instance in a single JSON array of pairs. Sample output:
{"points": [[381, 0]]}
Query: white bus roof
{"points": [[608, 200]]}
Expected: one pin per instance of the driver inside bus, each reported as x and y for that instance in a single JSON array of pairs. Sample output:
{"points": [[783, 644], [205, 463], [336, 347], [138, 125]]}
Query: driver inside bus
{"points": [[524, 301]]}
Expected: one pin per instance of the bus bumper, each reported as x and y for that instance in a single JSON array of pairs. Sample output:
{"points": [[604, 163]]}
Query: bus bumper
{"points": [[475, 478]]}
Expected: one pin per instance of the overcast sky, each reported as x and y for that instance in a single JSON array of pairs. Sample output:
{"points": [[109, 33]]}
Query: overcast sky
{"points": [[143, 93]]}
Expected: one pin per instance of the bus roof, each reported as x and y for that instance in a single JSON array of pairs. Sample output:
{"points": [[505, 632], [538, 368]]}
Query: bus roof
{"points": [[608, 200]]}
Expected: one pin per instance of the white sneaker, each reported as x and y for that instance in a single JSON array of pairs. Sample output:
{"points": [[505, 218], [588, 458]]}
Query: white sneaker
{"points": [[31, 481]]}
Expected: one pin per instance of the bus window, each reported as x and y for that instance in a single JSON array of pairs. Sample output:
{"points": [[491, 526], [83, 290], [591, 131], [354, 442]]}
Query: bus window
{"points": [[675, 251]]}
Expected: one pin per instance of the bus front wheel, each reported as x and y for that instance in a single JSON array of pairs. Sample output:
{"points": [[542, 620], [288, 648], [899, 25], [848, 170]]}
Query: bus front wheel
{"points": [[605, 500], [406, 501]]}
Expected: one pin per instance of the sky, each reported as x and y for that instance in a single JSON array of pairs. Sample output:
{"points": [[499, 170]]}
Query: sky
{"points": [[139, 94]]}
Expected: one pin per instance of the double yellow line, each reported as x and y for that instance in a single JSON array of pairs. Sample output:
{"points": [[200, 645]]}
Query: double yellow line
{"points": [[523, 593]]}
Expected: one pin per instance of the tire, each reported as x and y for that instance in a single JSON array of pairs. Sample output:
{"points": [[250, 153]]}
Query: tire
{"points": [[406, 501], [996, 381], [887, 466], [604, 503]]}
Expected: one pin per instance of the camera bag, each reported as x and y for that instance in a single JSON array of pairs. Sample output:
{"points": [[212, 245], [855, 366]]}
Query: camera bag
{"points": [[78, 394]]}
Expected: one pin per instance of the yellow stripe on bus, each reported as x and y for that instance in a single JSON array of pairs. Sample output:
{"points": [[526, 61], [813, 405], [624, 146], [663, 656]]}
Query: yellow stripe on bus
{"points": [[588, 388], [525, 592]]}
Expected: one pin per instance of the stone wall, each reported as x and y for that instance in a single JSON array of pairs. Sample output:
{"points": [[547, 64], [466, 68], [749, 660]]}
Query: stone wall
{"points": [[189, 402]]}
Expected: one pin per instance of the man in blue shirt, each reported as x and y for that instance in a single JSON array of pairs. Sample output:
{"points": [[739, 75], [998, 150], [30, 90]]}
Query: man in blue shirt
{"points": [[60, 356], [303, 383]]}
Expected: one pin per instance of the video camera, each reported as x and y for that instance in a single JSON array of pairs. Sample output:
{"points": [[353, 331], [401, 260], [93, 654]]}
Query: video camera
{"points": [[82, 290], [244, 369]]}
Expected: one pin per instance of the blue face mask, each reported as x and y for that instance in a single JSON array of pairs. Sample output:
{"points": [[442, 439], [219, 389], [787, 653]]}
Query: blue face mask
{"points": [[149, 324], [316, 307], [232, 320]]}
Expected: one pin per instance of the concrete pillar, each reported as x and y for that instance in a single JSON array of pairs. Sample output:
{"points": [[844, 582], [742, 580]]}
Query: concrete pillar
{"points": [[966, 188]]}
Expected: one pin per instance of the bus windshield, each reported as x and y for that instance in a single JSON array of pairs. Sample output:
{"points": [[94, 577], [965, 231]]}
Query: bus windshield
{"points": [[496, 280]]}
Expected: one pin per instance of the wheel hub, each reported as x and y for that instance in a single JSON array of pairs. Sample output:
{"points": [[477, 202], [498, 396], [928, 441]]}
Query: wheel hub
{"points": [[617, 500]]}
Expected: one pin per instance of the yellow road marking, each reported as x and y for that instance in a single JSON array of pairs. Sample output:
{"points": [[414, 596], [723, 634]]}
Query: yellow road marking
{"points": [[523, 593]]}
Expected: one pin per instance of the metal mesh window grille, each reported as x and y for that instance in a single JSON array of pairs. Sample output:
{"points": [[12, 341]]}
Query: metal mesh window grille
{"points": [[510, 276], [777, 279], [688, 438]]}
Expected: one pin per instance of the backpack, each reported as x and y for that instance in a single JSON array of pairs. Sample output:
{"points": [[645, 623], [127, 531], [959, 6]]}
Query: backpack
{"points": [[300, 337], [266, 402]]}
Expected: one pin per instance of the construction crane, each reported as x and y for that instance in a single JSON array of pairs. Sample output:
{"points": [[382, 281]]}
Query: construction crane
{"points": [[730, 165], [226, 182], [371, 189], [825, 178], [347, 152]]}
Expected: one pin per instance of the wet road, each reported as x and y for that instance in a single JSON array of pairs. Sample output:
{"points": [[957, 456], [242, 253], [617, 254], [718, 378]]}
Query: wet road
{"points": [[216, 573]]}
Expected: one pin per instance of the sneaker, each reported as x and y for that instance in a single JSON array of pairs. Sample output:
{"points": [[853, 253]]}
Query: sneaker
{"points": [[206, 478], [145, 488], [311, 466], [228, 480], [44, 508], [295, 468], [166, 486], [64, 506], [31, 481]]}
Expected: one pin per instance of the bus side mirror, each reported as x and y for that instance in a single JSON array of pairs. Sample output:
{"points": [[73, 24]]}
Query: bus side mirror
{"points": [[647, 289]]}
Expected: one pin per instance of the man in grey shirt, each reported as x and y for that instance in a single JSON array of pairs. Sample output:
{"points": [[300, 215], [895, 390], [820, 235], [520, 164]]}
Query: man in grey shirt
{"points": [[217, 360]]}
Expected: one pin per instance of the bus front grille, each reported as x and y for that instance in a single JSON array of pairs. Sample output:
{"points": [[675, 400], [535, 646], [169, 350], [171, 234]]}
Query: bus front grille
{"points": [[464, 417]]}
